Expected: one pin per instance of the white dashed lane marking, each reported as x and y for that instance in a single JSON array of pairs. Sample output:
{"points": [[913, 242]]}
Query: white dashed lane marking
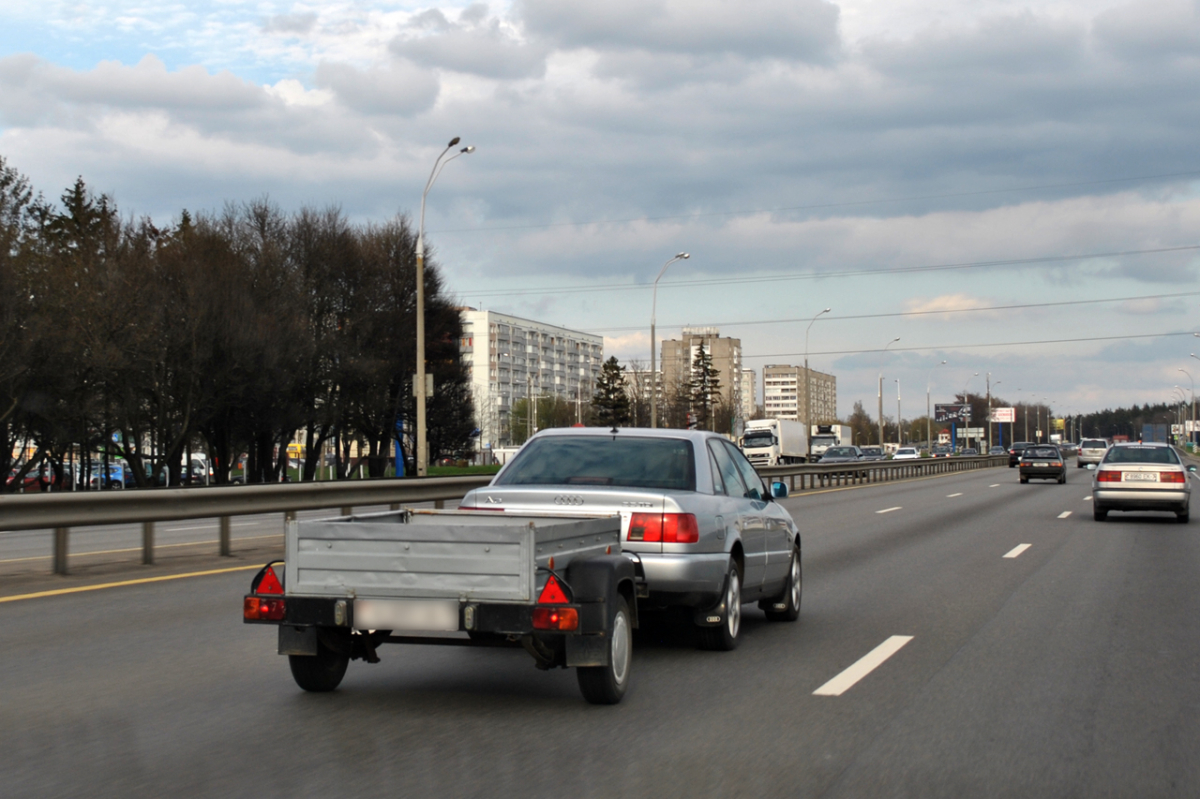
{"points": [[888, 510], [959, 494], [994, 485], [1087, 499], [864, 666], [1017, 550], [1064, 514]]}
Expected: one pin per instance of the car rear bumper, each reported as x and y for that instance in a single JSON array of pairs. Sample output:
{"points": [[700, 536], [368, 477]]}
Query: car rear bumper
{"points": [[1144, 499], [692, 580], [1042, 472]]}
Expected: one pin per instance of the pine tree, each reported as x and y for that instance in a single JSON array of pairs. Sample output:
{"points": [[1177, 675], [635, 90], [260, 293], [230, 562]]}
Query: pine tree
{"points": [[704, 388], [610, 404]]}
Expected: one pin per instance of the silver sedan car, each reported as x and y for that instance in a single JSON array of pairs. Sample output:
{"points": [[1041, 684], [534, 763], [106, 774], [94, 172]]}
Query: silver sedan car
{"points": [[1141, 477], [702, 526]]}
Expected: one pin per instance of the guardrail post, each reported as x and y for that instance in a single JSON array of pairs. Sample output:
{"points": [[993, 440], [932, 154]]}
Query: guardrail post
{"points": [[148, 543], [440, 504], [60, 550], [225, 548]]}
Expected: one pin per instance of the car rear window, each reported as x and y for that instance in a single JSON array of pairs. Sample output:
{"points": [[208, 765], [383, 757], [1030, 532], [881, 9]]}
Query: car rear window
{"points": [[1136, 454], [663, 463], [1041, 452], [1093, 443]]}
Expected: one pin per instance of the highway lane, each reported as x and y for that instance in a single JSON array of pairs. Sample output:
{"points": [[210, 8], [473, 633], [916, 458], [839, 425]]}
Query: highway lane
{"points": [[1066, 670]]}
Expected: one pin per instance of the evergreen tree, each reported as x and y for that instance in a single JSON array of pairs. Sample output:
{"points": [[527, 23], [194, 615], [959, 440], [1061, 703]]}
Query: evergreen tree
{"points": [[704, 389], [610, 404]]}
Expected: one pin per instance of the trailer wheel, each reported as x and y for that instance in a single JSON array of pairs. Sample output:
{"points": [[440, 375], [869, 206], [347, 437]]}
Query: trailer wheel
{"points": [[605, 685], [321, 672]]}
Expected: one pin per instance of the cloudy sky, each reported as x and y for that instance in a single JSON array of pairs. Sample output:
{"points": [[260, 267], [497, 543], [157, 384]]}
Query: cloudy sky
{"points": [[1009, 187]]}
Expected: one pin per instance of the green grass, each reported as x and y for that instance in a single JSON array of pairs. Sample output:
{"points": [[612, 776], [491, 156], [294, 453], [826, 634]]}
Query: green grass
{"points": [[458, 471]]}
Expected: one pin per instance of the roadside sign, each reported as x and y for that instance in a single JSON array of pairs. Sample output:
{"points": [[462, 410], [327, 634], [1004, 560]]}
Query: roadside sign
{"points": [[952, 412], [1001, 415], [970, 432]]}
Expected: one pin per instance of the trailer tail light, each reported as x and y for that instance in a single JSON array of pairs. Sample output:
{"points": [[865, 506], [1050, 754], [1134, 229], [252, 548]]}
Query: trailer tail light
{"points": [[665, 528], [260, 609], [552, 618], [269, 584], [1171, 477], [1109, 476]]}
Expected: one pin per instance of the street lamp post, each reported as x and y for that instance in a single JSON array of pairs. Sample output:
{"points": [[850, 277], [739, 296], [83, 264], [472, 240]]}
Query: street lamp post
{"points": [[808, 393], [885, 346], [967, 402], [1193, 430], [653, 346], [928, 414], [419, 387], [989, 406], [899, 435]]}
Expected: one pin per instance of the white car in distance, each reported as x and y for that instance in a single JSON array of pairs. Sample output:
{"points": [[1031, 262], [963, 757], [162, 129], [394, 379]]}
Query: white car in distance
{"points": [[906, 454]]}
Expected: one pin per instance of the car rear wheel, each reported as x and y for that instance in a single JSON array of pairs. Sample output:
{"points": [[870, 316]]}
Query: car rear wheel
{"points": [[786, 606], [1024, 479], [1063, 479], [1099, 514], [724, 636], [605, 685], [321, 672], [1182, 516]]}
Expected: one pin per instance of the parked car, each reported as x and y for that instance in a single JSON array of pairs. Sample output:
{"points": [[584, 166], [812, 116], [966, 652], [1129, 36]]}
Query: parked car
{"points": [[1091, 450], [697, 519], [906, 454], [842, 455], [1042, 462], [873, 453], [1141, 477], [1014, 452]]}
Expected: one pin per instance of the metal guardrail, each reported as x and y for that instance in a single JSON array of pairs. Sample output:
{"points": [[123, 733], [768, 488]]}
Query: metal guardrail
{"points": [[807, 476], [63, 511]]}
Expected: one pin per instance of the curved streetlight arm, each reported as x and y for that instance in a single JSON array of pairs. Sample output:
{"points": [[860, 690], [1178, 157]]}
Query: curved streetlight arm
{"points": [[682, 256]]}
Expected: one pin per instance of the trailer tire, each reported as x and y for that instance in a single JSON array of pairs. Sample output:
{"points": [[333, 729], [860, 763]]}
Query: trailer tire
{"points": [[605, 685], [319, 673]]}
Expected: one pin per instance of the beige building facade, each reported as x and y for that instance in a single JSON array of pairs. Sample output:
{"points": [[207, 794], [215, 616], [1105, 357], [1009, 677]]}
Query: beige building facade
{"points": [[679, 354], [784, 394]]}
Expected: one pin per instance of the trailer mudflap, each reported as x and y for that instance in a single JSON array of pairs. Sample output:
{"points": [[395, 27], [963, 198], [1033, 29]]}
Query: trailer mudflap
{"points": [[297, 640], [588, 650]]}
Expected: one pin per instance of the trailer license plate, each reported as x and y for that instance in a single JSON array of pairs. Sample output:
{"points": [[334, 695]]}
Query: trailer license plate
{"points": [[412, 615]]}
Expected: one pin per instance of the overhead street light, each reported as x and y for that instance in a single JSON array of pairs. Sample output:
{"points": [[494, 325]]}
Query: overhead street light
{"points": [[1193, 430], [419, 386], [683, 256], [885, 346], [807, 392], [967, 402], [928, 413]]}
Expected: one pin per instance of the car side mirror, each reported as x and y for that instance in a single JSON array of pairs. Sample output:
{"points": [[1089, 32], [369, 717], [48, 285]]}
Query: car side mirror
{"points": [[780, 491], [1191, 468], [1091, 467]]}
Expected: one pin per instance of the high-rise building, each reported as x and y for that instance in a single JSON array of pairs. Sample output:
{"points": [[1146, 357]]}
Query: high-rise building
{"points": [[784, 394], [511, 358], [678, 355], [749, 394]]}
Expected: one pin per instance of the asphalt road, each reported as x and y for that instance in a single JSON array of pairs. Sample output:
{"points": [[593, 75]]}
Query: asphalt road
{"points": [[1066, 670]]}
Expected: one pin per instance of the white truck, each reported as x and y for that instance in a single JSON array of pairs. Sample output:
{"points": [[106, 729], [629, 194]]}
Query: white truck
{"points": [[825, 436], [774, 442]]}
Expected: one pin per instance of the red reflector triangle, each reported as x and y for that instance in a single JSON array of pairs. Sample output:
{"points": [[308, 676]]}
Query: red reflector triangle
{"points": [[269, 584], [553, 594]]}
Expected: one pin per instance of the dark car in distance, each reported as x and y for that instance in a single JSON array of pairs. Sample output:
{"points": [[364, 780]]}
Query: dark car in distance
{"points": [[1042, 462], [873, 453], [1014, 452]]}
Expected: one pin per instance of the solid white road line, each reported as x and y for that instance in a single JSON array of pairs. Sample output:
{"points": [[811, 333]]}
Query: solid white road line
{"points": [[888, 510], [865, 665], [1017, 550], [950, 496], [1064, 514]]}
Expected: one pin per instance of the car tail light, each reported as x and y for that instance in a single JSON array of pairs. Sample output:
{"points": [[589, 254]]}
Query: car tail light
{"points": [[260, 609], [1056, 463], [1171, 477], [1109, 476], [666, 528], [552, 618]]}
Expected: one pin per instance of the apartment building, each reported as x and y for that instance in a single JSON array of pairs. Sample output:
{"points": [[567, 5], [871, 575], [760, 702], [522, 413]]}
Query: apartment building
{"points": [[749, 394], [678, 355], [784, 394], [510, 358]]}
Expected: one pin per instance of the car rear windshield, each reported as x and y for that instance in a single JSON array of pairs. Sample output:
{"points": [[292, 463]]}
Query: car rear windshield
{"points": [[1135, 454], [1041, 452], [1093, 443], [840, 452], [663, 463]]}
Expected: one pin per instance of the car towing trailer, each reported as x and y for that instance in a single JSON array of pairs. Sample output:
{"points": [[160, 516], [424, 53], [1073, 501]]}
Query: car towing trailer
{"points": [[557, 586]]}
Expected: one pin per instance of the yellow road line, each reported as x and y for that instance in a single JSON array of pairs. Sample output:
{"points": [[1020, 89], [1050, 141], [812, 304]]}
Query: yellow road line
{"points": [[140, 581], [139, 549]]}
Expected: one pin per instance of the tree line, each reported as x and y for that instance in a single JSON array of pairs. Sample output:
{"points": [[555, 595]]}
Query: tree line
{"points": [[225, 333]]}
